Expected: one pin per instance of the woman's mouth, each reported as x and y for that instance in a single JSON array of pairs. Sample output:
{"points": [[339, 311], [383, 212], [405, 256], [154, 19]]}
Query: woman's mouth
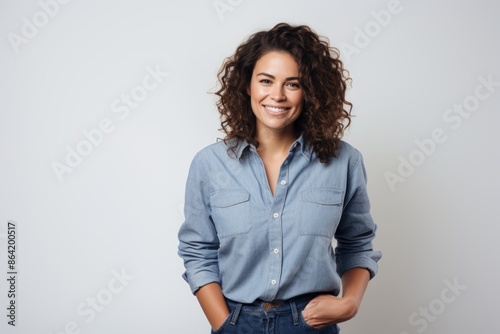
{"points": [[276, 110]]}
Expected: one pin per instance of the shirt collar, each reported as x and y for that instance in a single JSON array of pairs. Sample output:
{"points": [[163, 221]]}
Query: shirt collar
{"points": [[305, 149], [242, 145]]}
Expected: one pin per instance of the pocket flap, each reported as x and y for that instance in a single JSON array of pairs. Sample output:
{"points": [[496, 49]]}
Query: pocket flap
{"points": [[324, 196], [228, 197]]}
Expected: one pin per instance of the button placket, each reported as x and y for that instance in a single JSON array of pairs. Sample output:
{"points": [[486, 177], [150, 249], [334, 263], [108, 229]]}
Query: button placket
{"points": [[276, 232]]}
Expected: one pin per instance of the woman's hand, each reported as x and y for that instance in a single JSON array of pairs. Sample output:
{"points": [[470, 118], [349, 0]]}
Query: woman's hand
{"points": [[327, 309], [220, 323]]}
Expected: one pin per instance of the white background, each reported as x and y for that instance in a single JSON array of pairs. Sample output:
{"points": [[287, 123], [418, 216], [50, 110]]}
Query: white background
{"points": [[120, 208]]}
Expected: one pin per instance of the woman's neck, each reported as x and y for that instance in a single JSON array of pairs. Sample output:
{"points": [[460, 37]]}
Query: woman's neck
{"points": [[275, 143]]}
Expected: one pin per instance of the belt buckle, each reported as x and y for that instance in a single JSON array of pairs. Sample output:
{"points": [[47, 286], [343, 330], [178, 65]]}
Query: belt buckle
{"points": [[270, 305]]}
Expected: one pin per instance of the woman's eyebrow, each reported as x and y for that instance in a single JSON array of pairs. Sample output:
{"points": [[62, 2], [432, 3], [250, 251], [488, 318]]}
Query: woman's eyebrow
{"points": [[273, 77]]}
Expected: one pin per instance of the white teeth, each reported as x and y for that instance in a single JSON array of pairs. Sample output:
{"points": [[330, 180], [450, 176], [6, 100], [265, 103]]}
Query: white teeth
{"points": [[275, 109]]}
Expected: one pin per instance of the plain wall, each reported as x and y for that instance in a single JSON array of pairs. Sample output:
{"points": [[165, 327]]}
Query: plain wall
{"points": [[424, 120]]}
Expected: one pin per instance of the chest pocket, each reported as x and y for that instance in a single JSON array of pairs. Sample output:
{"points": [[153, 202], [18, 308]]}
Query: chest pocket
{"points": [[321, 211], [230, 212]]}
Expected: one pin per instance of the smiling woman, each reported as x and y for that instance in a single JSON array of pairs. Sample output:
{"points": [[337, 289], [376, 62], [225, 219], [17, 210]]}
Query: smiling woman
{"points": [[258, 247], [275, 93]]}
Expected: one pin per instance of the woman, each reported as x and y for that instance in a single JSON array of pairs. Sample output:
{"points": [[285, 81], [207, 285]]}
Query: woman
{"points": [[263, 206]]}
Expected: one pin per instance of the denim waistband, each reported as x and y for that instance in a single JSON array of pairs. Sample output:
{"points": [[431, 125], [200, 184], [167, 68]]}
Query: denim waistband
{"points": [[265, 308]]}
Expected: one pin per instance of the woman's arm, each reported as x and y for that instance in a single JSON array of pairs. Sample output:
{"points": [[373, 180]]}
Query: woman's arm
{"points": [[354, 284], [213, 304], [328, 309], [199, 244]]}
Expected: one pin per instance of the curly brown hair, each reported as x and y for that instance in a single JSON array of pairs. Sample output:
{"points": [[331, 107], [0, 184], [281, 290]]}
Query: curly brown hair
{"points": [[325, 113]]}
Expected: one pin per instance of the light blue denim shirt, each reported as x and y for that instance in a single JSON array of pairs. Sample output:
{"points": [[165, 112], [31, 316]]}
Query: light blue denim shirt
{"points": [[257, 245]]}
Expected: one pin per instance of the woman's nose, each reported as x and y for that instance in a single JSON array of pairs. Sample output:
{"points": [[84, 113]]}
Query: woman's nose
{"points": [[277, 93]]}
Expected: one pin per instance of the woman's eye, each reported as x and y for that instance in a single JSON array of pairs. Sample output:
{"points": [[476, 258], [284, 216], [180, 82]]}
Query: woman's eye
{"points": [[265, 81], [294, 84]]}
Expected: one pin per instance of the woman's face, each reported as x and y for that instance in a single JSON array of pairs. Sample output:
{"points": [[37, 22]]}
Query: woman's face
{"points": [[275, 93]]}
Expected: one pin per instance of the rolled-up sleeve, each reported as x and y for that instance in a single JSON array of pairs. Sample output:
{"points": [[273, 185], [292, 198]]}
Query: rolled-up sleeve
{"points": [[198, 240], [356, 229]]}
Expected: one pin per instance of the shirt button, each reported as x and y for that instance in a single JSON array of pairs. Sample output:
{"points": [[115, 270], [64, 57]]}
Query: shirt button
{"points": [[283, 182], [276, 215], [276, 251], [273, 282]]}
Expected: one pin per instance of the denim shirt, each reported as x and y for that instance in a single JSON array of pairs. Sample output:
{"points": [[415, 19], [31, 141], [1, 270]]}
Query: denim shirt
{"points": [[260, 246]]}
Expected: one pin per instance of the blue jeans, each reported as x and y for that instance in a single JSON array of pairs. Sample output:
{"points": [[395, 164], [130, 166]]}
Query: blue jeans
{"points": [[282, 317]]}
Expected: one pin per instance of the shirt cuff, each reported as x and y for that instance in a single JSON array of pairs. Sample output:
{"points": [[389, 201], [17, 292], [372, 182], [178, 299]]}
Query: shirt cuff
{"points": [[199, 279], [367, 260]]}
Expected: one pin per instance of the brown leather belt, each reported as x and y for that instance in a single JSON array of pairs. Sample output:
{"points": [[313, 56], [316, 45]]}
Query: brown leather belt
{"points": [[270, 305]]}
